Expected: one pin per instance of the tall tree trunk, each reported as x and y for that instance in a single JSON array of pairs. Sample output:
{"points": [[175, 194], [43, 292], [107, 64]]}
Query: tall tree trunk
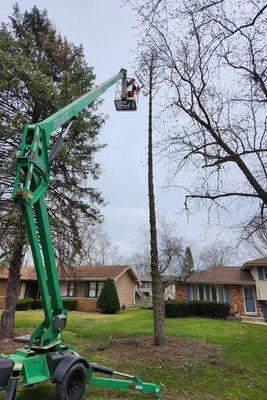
{"points": [[157, 287], [8, 316]]}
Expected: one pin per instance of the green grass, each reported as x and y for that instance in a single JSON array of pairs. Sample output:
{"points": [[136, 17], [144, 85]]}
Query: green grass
{"points": [[240, 373]]}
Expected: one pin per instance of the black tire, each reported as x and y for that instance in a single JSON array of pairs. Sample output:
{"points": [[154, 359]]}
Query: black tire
{"points": [[73, 385], [11, 390]]}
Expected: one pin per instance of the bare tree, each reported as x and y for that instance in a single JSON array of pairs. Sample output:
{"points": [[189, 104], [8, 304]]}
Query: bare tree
{"points": [[255, 238], [98, 248], [216, 254], [149, 73], [214, 59], [171, 252], [140, 259]]}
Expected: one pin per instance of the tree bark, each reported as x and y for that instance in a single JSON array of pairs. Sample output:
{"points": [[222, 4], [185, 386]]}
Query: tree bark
{"points": [[157, 287], [8, 316]]}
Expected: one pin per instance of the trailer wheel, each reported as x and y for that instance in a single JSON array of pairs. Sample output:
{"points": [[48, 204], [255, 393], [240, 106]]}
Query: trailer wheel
{"points": [[11, 390], [73, 385]]}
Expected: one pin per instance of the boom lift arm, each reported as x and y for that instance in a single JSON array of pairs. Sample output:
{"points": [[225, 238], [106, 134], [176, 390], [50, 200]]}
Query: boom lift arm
{"points": [[45, 356], [31, 183]]}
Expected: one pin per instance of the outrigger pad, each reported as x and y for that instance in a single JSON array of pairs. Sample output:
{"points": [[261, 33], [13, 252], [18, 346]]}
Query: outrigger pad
{"points": [[6, 367], [22, 339]]}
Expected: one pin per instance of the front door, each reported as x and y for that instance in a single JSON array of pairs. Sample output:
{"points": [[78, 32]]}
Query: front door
{"points": [[249, 299]]}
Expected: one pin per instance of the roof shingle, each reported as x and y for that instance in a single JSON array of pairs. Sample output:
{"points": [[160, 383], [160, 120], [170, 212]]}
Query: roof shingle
{"points": [[234, 275], [98, 272], [257, 261]]}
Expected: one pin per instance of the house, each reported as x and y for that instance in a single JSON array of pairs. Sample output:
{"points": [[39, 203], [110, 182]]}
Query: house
{"points": [[83, 284], [244, 288], [144, 288], [258, 269]]}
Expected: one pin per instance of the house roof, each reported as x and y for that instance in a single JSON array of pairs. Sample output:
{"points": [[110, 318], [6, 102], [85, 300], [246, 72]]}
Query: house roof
{"points": [[230, 275], [257, 261], [98, 272]]}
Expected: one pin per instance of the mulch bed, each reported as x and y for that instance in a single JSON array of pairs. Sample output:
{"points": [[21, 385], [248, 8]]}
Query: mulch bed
{"points": [[8, 346], [174, 350]]}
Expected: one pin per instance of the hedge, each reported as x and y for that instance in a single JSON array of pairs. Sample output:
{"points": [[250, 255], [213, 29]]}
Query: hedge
{"points": [[24, 304], [174, 308], [209, 308], [70, 304], [37, 304]]}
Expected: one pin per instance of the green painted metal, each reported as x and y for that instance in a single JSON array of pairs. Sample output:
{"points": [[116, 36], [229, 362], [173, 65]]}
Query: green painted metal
{"points": [[136, 384], [31, 183]]}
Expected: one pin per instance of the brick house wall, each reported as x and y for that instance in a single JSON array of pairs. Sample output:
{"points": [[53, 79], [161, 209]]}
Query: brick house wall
{"points": [[237, 299], [86, 304], [180, 293]]}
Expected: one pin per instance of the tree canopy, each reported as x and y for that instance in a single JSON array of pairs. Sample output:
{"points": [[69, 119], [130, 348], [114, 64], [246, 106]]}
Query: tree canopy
{"points": [[40, 72]]}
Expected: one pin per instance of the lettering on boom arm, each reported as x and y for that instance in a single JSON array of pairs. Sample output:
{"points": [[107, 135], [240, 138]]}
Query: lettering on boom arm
{"points": [[61, 120]]}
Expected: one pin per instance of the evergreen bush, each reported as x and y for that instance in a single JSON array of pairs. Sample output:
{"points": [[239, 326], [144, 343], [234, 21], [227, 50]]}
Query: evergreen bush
{"points": [[69, 304], [209, 308], [174, 308], [37, 304], [24, 304], [108, 300]]}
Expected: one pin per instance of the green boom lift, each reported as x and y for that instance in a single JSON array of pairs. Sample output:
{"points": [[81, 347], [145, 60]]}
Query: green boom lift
{"points": [[44, 355]]}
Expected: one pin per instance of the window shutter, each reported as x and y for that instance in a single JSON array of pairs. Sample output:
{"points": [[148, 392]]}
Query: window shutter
{"points": [[188, 291], [227, 297], [260, 273]]}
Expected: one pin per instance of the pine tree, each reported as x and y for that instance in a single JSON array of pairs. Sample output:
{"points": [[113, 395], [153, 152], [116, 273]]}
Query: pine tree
{"points": [[188, 263], [108, 300], [40, 72]]}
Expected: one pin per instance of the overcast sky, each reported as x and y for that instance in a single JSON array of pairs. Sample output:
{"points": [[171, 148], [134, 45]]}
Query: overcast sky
{"points": [[105, 29]]}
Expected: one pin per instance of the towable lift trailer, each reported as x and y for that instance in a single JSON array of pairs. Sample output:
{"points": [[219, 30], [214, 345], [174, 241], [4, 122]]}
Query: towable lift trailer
{"points": [[44, 355]]}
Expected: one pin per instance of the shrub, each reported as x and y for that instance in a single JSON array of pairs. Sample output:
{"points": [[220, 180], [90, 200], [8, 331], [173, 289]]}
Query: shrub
{"points": [[37, 304], [108, 300], [70, 304], [209, 309], [174, 308], [24, 304]]}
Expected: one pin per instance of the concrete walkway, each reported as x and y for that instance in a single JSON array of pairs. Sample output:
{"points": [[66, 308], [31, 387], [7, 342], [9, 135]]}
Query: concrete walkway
{"points": [[255, 322]]}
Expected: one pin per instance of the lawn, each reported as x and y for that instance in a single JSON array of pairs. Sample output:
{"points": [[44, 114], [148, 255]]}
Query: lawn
{"points": [[205, 359]]}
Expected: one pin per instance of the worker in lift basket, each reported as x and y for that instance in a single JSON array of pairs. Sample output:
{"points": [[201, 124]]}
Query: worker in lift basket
{"points": [[131, 88]]}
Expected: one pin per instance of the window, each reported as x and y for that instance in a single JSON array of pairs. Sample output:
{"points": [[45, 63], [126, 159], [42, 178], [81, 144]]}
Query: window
{"points": [[201, 292], [146, 284], [195, 292], [220, 293], [94, 289], [262, 273], [213, 293], [67, 289], [208, 292]]}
